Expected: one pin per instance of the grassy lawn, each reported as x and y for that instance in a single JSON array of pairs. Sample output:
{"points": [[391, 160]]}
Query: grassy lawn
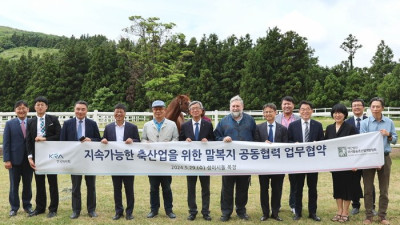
{"points": [[105, 204]]}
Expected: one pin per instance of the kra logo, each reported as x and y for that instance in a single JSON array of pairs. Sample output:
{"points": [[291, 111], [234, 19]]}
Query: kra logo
{"points": [[55, 156]]}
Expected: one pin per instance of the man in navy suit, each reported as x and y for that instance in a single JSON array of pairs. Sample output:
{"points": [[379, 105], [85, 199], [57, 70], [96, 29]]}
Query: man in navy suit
{"points": [[81, 129], [122, 131], [357, 107], [271, 131], [197, 129], [306, 130], [43, 127], [16, 160]]}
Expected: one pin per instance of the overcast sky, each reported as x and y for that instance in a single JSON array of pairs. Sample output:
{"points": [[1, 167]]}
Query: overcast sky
{"points": [[325, 23]]}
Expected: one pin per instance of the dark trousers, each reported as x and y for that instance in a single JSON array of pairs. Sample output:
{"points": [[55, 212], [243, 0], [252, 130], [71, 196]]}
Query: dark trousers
{"points": [[41, 198], [165, 182], [76, 193], [25, 172], [312, 180], [356, 200], [129, 192], [205, 194], [292, 195], [242, 189], [276, 193]]}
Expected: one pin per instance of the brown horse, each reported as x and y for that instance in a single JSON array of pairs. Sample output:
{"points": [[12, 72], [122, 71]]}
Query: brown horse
{"points": [[175, 108]]}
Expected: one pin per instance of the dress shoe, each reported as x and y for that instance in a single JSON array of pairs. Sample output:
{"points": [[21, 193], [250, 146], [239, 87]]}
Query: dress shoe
{"points": [[355, 211], [51, 214], [74, 215], [244, 216], [191, 217], [225, 218], [152, 214], [129, 216], [383, 220], [93, 214], [314, 217], [29, 210], [296, 217], [171, 215], [276, 217], [367, 221], [35, 213], [264, 218], [117, 216], [13, 213], [207, 217]]}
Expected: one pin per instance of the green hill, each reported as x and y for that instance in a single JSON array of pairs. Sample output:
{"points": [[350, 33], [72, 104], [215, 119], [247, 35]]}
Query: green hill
{"points": [[14, 42]]}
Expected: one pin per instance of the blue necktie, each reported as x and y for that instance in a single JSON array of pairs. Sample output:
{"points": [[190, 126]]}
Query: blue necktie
{"points": [[358, 124], [196, 132], [270, 134], [42, 127], [79, 134]]}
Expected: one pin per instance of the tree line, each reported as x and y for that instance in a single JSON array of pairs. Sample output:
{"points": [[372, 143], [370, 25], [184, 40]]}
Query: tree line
{"points": [[153, 62]]}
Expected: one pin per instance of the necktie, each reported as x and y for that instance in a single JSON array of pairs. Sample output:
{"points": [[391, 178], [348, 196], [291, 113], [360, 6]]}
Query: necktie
{"points": [[196, 132], [358, 124], [42, 131], [306, 133], [79, 134], [23, 128], [270, 134]]}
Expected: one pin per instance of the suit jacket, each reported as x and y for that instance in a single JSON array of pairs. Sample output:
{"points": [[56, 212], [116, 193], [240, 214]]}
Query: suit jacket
{"points": [[206, 131], [68, 131], [14, 143], [281, 133], [345, 130], [353, 122], [295, 131], [52, 128], [168, 131], [130, 131]]}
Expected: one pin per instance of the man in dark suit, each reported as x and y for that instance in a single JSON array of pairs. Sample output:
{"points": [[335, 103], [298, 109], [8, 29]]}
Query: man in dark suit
{"points": [[43, 127], [269, 132], [357, 107], [16, 160], [306, 130], [81, 129], [197, 129], [127, 132]]}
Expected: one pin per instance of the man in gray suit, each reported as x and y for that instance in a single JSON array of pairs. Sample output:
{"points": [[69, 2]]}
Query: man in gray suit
{"points": [[269, 132], [285, 118]]}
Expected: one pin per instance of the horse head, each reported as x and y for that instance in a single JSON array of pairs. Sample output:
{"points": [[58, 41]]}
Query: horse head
{"points": [[183, 101]]}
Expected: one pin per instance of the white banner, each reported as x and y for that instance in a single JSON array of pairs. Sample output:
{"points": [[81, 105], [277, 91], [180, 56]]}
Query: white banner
{"points": [[209, 158]]}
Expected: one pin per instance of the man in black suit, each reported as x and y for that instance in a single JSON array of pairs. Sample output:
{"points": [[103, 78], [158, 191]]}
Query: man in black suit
{"points": [[127, 132], [16, 160], [81, 129], [357, 107], [306, 130], [43, 127], [269, 132], [197, 129]]}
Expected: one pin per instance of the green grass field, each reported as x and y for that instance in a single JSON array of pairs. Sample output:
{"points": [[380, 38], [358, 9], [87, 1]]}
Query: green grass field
{"points": [[16, 53], [105, 204]]}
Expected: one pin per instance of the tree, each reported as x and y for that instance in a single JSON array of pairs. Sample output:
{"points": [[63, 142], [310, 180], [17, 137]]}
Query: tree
{"points": [[102, 101], [350, 45], [390, 86]]}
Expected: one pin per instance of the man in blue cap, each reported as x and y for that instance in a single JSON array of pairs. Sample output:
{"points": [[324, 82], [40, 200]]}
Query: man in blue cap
{"points": [[160, 129]]}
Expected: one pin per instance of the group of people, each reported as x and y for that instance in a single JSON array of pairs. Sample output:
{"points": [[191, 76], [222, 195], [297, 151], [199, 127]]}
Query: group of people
{"points": [[20, 135]]}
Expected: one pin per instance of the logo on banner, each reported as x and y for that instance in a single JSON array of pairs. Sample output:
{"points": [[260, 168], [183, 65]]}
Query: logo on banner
{"points": [[342, 151]]}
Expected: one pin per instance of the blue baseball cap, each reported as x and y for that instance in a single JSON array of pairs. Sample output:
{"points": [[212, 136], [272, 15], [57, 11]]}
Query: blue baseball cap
{"points": [[158, 103]]}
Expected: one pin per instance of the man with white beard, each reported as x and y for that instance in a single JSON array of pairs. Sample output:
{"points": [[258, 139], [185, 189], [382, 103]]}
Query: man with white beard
{"points": [[237, 126]]}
